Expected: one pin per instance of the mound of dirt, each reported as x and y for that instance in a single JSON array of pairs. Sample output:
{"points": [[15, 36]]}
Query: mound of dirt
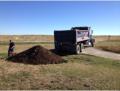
{"points": [[37, 55]]}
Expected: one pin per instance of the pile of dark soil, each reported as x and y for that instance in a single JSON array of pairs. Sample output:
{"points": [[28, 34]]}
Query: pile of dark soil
{"points": [[37, 55]]}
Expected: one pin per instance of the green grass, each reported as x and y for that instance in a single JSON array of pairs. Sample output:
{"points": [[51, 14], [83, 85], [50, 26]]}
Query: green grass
{"points": [[82, 72], [3, 55]]}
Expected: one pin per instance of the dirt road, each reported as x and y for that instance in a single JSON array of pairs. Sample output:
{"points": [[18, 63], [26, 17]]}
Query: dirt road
{"points": [[101, 53]]}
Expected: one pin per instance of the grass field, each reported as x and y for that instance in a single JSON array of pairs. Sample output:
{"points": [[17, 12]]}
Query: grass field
{"points": [[20, 46], [106, 38], [47, 38], [109, 45], [27, 38], [82, 72]]}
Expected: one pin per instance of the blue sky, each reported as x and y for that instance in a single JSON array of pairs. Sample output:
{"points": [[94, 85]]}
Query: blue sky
{"points": [[43, 17]]}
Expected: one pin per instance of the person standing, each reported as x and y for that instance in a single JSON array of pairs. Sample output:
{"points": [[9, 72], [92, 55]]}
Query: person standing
{"points": [[11, 48]]}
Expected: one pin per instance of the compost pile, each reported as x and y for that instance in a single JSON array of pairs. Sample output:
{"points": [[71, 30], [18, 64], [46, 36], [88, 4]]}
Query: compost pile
{"points": [[37, 55]]}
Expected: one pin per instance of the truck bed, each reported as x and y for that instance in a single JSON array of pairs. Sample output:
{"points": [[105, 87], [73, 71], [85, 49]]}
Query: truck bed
{"points": [[65, 36]]}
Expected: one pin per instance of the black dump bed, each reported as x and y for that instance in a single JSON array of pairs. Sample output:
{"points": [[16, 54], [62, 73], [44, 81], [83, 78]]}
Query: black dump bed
{"points": [[65, 36]]}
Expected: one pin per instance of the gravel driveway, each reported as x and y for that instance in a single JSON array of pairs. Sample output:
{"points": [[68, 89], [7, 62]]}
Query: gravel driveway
{"points": [[101, 53]]}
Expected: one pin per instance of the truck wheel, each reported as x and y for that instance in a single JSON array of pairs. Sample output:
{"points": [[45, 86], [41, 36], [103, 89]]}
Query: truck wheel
{"points": [[81, 46], [78, 49], [92, 44]]}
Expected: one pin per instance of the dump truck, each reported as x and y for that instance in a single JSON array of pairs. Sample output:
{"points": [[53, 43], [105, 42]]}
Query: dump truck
{"points": [[73, 40]]}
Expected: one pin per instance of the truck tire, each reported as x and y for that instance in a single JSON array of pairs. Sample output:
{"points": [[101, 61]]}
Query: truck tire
{"points": [[78, 49], [92, 43]]}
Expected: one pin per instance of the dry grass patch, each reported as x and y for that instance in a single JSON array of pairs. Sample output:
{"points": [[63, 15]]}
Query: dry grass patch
{"points": [[113, 46], [21, 38]]}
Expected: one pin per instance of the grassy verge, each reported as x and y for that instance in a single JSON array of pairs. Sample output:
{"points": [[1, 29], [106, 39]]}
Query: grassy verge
{"points": [[82, 72], [112, 45]]}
